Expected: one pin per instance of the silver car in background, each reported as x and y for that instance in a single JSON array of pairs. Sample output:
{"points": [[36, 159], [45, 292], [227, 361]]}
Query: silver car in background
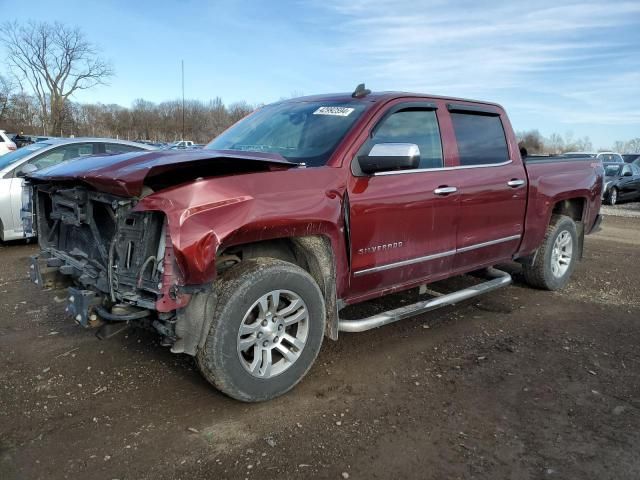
{"points": [[39, 155]]}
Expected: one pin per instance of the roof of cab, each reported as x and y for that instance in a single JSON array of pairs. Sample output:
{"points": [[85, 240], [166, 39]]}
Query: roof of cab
{"points": [[381, 97]]}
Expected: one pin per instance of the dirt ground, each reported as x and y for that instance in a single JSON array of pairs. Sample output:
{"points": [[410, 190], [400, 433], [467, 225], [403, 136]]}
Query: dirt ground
{"points": [[519, 384]]}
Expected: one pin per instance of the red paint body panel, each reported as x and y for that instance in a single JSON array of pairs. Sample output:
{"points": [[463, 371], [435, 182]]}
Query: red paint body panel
{"points": [[550, 183], [210, 214], [215, 213]]}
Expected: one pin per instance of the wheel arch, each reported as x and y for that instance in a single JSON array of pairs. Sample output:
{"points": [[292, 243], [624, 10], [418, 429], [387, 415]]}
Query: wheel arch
{"points": [[313, 253], [574, 207]]}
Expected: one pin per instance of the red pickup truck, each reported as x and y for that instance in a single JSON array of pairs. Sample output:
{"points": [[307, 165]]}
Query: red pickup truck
{"points": [[244, 253]]}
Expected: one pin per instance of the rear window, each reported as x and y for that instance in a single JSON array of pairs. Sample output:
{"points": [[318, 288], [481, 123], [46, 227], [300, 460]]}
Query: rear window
{"points": [[480, 138]]}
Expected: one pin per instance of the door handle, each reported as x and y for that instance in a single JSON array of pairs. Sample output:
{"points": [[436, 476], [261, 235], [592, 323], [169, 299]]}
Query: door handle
{"points": [[445, 190], [515, 182]]}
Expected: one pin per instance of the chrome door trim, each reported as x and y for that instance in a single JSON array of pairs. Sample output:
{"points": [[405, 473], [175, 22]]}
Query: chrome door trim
{"points": [[434, 256], [441, 169], [404, 263], [487, 244]]}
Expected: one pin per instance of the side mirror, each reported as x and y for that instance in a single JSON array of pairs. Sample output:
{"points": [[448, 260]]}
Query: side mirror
{"points": [[627, 174], [27, 169], [385, 157]]}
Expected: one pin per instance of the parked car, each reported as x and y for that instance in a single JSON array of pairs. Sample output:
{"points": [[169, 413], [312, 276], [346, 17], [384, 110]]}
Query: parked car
{"points": [[622, 182], [40, 155], [242, 254], [608, 157], [631, 157], [22, 140], [6, 144]]}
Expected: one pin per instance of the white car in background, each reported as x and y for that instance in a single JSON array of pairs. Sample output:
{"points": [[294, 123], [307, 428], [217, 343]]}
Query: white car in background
{"points": [[39, 155], [6, 145]]}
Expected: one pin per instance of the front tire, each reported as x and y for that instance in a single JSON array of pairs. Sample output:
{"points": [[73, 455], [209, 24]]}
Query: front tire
{"points": [[613, 196], [266, 332], [556, 258]]}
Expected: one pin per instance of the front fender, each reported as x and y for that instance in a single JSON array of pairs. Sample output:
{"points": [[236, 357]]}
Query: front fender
{"points": [[205, 215]]}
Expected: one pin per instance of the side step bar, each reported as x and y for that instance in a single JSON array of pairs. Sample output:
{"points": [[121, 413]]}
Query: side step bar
{"points": [[498, 278]]}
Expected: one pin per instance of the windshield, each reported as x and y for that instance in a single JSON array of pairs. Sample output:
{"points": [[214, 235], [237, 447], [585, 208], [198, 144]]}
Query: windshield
{"points": [[612, 170], [9, 158], [305, 132]]}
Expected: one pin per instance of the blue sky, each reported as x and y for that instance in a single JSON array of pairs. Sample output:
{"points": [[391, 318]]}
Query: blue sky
{"points": [[558, 67]]}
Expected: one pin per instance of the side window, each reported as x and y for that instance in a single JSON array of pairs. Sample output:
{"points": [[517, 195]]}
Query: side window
{"points": [[636, 169], [626, 170], [120, 148], [481, 139], [61, 154], [412, 126]]}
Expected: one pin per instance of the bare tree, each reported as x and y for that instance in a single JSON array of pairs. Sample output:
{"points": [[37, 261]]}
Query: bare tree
{"points": [[56, 61], [531, 140], [632, 146], [6, 91], [618, 146]]}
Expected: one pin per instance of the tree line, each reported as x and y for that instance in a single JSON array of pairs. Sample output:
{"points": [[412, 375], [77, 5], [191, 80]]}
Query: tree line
{"points": [[144, 120], [554, 144]]}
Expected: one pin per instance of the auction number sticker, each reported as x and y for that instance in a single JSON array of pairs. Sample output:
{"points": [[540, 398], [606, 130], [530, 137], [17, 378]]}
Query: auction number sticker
{"points": [[337, 111]]}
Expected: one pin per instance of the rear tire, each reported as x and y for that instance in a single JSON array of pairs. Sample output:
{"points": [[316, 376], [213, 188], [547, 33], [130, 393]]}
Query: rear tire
{"points": [[556, 257], [266, 332]]}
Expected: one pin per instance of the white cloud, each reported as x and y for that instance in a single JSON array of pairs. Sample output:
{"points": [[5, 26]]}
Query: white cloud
{"points": [[538, 56]]}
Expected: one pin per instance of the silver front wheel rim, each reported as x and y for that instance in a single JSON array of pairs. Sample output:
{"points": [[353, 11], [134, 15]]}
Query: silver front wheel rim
{"points": [[561, 254], [273, 333], [614, 196]]}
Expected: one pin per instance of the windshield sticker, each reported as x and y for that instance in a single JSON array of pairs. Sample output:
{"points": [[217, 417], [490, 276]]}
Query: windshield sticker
{"points": [[336, 111]]}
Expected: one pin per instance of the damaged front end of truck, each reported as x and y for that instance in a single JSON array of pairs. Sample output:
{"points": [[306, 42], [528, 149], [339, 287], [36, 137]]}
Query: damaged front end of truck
{"points": [[103, 226], [116, 262]]}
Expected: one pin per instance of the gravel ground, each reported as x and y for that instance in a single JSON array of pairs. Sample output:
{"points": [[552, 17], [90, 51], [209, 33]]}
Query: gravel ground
{"points": [[631, 209], [518, 384]]}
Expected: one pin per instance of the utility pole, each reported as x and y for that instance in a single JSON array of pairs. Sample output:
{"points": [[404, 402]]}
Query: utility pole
{"points": [[182, 99]]}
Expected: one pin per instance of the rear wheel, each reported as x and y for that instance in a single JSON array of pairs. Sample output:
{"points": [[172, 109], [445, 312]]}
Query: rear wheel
{"points": [[266, 332], [556, 258]]}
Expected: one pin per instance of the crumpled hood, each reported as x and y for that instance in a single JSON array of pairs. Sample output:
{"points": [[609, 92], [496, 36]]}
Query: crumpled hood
{"points": [[126, 174]]}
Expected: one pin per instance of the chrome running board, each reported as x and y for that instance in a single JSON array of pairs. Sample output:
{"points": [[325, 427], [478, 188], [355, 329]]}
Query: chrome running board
{"points": [[499, 279]]}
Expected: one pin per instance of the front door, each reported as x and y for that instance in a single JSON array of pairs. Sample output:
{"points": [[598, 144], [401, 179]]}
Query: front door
{"points": [[402, 224]]}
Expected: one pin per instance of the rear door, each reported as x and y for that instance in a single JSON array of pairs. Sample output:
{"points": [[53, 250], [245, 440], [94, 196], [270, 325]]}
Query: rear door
{"points": [[492, 185], [402, 223]]}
